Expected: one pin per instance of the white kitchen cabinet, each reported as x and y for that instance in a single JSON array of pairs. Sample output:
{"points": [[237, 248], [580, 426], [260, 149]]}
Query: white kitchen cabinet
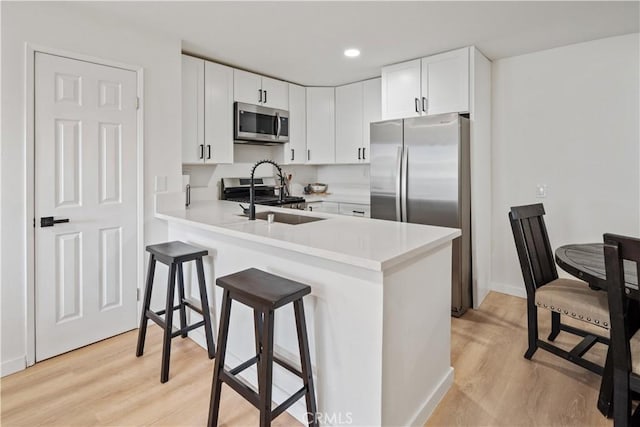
{"points": [[192, 110], [255, 89], [372, 104], [295, 151], [445, 82], [401, 90], [432, 85], [218, 106], [349, 119], [328, 207], [320, 125]]}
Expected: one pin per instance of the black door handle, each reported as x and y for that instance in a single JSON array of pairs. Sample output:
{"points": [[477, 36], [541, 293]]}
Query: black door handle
{"points": [[48, 221]]}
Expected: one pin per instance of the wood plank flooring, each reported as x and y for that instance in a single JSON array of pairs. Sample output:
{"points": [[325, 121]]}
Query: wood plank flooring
{"points": [[105, 384]]}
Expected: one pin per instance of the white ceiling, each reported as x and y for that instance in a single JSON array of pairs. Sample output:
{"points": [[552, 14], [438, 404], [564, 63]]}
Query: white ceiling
{"points": [[303, 42]]}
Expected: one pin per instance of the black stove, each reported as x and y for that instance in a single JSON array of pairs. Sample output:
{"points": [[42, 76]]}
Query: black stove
{"points": [[237, 190]]}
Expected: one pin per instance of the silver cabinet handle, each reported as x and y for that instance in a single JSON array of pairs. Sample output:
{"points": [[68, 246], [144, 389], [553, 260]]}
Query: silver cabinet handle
{"points": [[278, 124], [417, 104], [292, 154], [260, 95], [425, 104], [398, 184]]}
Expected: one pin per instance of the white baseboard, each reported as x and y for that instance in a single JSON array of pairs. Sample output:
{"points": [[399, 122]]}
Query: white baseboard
{"points": [[505, 288], [423, 414], [12, 366]]}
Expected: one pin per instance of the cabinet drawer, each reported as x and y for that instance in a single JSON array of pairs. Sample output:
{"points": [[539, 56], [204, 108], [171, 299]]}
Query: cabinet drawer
{"points": [[355, 209], [328, 207]]}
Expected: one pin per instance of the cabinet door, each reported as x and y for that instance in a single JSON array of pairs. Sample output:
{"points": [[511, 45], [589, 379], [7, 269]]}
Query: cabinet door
{"points": [[401, 90], [445, 82], [354, 209], [295, 151], [320, 125], [218, 99], [349, 118], [192, 109], [247, 87], [372, 104], [275, 93]]}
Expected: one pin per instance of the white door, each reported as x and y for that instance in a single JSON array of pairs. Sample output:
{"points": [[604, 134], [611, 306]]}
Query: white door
{"points": [[247, 87], [193, 146], [321, 118], [85, 163], [445, 82], [401, 90], [275, 93], [349, 116]]}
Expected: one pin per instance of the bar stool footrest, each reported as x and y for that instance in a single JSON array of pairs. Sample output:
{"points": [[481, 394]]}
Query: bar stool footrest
{"points": [[187, 329], [156, 318], [240, 388], [290, 401], [244, 365], [287, 366]]}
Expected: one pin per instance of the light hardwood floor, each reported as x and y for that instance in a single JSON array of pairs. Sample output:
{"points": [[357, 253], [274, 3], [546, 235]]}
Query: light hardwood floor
{"points": [[105, 384]]}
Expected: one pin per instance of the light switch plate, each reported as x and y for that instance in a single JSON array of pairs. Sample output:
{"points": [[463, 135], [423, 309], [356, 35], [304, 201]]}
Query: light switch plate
{"points": [[541, 191], [161, 184]]}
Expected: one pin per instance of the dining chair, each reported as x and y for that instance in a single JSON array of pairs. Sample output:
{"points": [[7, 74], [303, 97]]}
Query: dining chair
{"points": [[625, 336], [561, 296]]}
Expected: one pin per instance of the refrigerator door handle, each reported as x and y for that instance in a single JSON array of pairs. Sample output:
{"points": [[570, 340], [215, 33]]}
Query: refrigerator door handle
{"points": [[403, 189], [399, 184]]}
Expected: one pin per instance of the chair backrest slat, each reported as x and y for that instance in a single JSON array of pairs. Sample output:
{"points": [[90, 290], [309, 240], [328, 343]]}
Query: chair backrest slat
{"points": [[532, 243]]}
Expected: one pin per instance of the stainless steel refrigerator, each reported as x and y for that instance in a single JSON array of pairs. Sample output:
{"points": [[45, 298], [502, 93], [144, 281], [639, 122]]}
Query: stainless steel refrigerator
{"points": [[420, 173]]}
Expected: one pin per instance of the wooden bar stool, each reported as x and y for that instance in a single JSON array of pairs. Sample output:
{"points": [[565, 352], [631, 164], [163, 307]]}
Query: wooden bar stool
{"points": [[264, 293], [173, 254]]}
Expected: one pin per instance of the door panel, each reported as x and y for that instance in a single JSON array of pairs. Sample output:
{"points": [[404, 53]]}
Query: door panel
{"points": [[218, 103], [86, 162], [432, 148], [371, 93], [386, 152], [247, 87], [445, 82], [277, 93], [192, 110], [400, 89], [349, 117]]}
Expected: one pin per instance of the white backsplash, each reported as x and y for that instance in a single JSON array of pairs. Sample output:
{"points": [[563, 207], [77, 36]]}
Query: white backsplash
{"points": [[345, 179]]}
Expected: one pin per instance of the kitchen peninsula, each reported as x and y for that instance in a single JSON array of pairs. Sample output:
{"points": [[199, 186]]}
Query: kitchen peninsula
{"points": [[378, 316]]}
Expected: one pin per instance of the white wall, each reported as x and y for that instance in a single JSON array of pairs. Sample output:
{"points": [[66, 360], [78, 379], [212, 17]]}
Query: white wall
{"points": [[567, 118], [70, 27]]}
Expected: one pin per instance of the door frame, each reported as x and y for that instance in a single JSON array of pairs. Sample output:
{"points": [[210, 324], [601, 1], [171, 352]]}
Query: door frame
{"points": [[29, 93]]}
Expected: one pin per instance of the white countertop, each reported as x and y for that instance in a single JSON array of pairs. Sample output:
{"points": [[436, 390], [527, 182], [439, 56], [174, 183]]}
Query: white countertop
{"points": [[368, 243]]}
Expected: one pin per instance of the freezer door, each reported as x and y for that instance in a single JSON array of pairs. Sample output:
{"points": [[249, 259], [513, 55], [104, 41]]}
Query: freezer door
{"points": [[385, 163], [432, 170]]}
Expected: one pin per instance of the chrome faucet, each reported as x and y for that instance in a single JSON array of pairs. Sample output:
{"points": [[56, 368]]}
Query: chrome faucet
{"points": [[252, 188]]}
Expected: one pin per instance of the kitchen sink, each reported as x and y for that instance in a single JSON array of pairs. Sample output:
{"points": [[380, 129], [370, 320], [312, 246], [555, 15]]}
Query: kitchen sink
{"points": [[287, 218]]}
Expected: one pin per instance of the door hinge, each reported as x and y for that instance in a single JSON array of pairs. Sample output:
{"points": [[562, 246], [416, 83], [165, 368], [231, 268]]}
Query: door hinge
{"points": [[137, 294], [137, 103]]}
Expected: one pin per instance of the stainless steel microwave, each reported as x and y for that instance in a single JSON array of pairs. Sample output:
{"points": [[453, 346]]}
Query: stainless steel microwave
{"points": [[254, 124]]}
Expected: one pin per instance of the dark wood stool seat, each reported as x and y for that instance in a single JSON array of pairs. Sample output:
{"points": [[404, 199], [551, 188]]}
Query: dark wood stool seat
{"points": [[174, 254], [264, 293]]}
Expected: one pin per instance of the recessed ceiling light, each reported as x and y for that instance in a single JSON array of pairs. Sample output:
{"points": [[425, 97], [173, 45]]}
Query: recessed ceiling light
{"points": [[352, 53]]}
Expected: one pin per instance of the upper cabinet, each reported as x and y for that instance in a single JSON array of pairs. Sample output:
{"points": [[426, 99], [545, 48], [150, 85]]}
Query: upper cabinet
{"points": [[357, 106], [218, 121], [254, 89], [432, 85], [445, 82], [371, 94], [192, 110], [295, 151], [321, 125]]}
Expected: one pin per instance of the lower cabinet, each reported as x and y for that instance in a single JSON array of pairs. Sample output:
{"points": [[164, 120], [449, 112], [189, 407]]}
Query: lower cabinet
{"points": [[353, 209]]}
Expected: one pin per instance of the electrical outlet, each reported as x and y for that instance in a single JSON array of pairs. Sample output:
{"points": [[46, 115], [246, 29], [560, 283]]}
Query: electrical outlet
{"points": [[541, 191]]}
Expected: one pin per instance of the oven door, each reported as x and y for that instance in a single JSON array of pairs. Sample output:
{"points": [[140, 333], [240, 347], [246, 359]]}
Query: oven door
{"points": [[253, 123]]}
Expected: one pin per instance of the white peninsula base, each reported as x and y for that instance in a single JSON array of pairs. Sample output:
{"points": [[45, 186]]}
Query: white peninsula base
{"points": [[378, 325]]}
